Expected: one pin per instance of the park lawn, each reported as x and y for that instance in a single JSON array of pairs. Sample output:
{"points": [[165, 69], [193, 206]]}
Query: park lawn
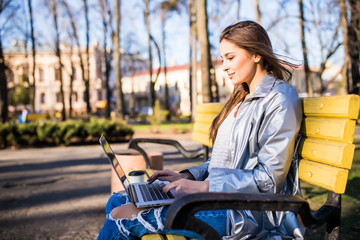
{"points": [[350, 205], [181, 127]]}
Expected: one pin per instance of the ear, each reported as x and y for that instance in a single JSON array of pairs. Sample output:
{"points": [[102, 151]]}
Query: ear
{"points": [[257, 58]]}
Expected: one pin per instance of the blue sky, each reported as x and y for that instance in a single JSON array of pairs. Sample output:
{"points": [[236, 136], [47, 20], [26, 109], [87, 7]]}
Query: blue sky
{"points": [[285, 35]]}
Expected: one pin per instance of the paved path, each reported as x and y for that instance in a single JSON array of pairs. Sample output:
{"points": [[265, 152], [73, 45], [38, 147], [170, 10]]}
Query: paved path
{"points": [[61, 192]]}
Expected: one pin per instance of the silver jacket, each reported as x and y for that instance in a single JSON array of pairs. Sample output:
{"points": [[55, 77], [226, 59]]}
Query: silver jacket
{"points": [[263, 140]]}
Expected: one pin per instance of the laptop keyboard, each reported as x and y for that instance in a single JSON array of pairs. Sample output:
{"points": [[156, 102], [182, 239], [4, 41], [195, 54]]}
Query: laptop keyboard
{"points": [[152, 192]]}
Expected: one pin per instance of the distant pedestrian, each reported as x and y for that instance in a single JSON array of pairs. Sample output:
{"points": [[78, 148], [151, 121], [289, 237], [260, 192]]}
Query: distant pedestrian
{"points": [[23, 115]]}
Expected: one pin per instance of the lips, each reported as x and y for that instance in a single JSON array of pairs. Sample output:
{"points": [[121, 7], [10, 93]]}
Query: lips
{"points": [[230, 75]]}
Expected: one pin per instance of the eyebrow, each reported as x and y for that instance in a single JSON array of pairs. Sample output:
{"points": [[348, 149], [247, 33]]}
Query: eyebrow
{"points": [[227, 54]]}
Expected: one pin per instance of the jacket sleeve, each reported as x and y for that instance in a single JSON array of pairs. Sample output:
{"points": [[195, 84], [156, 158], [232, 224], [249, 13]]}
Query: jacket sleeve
{"points": [[200, 172], [276, 135]]}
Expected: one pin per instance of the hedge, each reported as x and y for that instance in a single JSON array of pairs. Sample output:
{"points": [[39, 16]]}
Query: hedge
{"points": [[55, 133]]}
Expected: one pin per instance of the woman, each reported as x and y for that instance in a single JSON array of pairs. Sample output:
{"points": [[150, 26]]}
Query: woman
{"points": [[254, 139]]}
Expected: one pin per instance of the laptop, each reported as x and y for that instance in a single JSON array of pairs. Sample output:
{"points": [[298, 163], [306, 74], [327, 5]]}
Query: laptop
{"points": [[141, 194]]}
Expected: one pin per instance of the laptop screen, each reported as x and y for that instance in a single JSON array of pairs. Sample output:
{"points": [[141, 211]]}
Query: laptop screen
{"points": [[114, 161]]}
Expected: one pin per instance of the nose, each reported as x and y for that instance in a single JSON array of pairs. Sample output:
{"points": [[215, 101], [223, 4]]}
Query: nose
{"points": [[225, 66]]}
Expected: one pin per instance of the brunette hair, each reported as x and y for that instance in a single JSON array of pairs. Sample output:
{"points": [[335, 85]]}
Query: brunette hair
{"points": [[253, 38]]}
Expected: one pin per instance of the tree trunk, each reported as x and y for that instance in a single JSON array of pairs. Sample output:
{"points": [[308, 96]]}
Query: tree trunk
{"points": [[147, 24], [204, 50], [354, 46], [238, 9], [76, 36], [58, 54], [258, 13], [119, 99], [193, 59], [3, 88], [87, 79], [167, 100], [106, 58], [71, 76], [33, 87], [309, 87]]}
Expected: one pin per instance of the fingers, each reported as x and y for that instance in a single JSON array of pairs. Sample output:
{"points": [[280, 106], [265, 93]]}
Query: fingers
{"points": [[163, 175], [170, 186], [178, 185]]}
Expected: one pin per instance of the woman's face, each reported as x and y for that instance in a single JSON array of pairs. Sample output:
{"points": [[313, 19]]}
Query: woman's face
{"points": [[239, 64]]}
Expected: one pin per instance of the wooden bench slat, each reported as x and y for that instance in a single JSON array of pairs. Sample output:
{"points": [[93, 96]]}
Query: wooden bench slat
{"points": [[175, 237], [152, 236], [36, 116], [341, 130], [335, 106], [202, 128], [156, 236], [209, 108], [205, 117], [333, 153], [201, 138], [322, 175]]}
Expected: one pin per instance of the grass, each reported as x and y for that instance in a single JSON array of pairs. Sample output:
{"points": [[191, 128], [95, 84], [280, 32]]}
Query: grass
{"points": [[184, 127], [350, 205]]}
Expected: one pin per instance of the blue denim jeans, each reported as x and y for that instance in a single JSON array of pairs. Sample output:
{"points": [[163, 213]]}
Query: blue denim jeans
{"points": [[152, 221]]}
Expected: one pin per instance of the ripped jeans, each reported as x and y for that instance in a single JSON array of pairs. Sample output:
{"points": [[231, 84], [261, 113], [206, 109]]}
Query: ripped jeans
{"points": [[152, 221]]}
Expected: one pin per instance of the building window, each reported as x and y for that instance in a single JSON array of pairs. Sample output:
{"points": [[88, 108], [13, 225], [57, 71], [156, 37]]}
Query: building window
{"points": [[9, 76], [42, 98], [58, 97], [26, 70], [74, 73], [75, 96], [57, 74], [41, 75]]}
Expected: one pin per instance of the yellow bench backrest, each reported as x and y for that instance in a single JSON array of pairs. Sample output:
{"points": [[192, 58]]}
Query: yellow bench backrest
{"points": [[205, 114], [326, 149], [36, 116]]}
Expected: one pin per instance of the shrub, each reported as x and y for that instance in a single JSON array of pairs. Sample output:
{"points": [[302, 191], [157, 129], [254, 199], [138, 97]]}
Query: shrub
{"points": [[68, 132]]}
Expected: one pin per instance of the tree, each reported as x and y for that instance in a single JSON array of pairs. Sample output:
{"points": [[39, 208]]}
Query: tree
{"points": [[71, 73], [209, 87], [351, 36], [20, 95], [54, 7], [147, 24], [7, 15], [120, 104], [193, 58], [167, 7], [257, 9], [309, 87], [105, 12], [75, 35], [32, 36], [87, 79]]}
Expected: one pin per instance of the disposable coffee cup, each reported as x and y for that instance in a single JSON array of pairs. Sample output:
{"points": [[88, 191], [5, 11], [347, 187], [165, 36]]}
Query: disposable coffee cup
{"points": [[137, 176]]}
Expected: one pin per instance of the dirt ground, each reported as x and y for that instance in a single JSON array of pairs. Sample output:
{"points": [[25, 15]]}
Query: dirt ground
{"points": [[61, 192]]}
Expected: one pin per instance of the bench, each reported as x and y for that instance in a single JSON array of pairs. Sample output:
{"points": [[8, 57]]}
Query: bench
{"points": [[36, 117], [326, 153], [205, 114]]}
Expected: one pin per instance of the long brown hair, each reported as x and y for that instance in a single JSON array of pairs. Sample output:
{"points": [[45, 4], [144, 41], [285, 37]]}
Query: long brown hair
{"points": [[253, 38]]}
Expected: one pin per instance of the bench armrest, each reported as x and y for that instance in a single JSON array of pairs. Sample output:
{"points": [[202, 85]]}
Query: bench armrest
{"points": [[134, 144], [181, 213]]}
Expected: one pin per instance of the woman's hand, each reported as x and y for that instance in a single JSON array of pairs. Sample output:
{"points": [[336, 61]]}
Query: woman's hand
{"points": [[170, 176], [187, 186]]}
